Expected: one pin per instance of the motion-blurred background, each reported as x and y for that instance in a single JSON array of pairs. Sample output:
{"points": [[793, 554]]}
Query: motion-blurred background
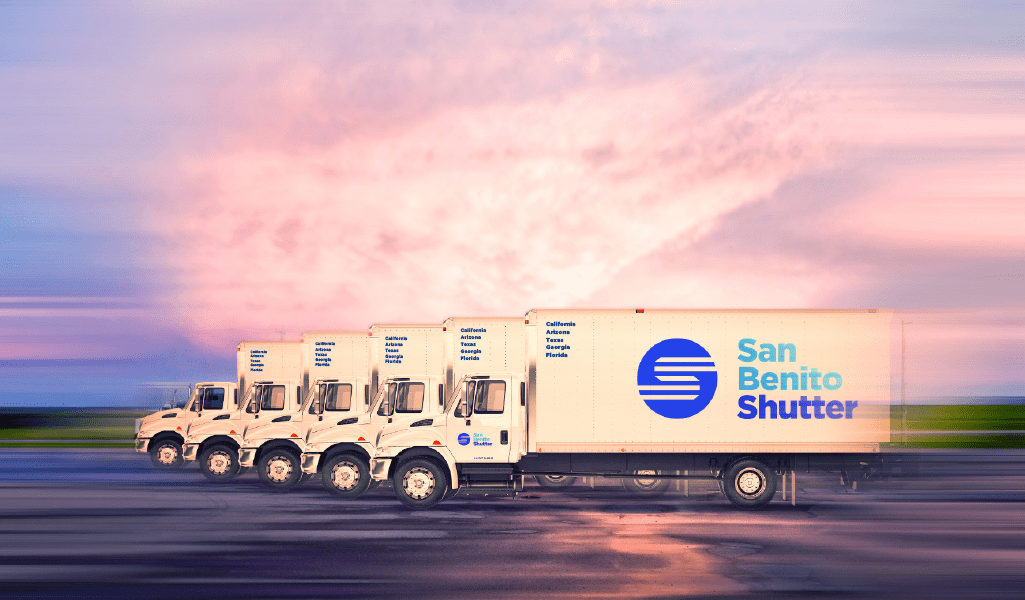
{"points": [[177, 177]]}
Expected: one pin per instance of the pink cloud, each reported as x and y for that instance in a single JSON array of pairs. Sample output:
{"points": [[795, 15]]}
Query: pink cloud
{"points": [[486, 210]]}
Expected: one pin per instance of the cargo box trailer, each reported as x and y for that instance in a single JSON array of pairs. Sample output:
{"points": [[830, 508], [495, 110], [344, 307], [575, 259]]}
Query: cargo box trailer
{"points": [[162, 433], [271, 375], [336, 368], [737, 396], [407, 384]]}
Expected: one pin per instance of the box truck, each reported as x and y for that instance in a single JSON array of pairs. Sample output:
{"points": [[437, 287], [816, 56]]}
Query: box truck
{"points": [[407, 384], [741, 397], [162, 433], [270, 373], [336, 369]]}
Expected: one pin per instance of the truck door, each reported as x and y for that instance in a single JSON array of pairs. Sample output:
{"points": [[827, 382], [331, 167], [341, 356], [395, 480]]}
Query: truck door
{"points": [[479, 427]]}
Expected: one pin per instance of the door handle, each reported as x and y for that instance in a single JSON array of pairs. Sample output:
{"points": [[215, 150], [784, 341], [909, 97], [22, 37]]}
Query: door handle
{"points": [[468, 422], [505, 437]]}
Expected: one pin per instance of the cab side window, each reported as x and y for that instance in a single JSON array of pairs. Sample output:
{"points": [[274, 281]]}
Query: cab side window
{"points": [[273, 398], [213, 399], [410, 398], [338, 397], [489, 398]]}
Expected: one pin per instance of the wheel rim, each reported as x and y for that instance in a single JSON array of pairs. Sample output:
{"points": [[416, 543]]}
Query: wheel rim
{"points": [[555, 478], [167, 454], [647, 483], [750, 483], [344, 475], [218, 463], [279, 469], [418, 483]]}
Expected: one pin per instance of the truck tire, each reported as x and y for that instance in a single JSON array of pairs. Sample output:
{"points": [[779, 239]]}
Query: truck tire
{"points": [[279, 469], [346, 476], [166, 455], [420, 483], [219, 463], [646, 487], [554, 482], [749, 483]]}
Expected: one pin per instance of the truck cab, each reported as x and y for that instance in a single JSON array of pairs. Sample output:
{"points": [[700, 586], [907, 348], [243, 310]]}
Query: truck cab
{"points": [[215, 440], [341, 450], [275, 446], [162, 433], [473, 445]]}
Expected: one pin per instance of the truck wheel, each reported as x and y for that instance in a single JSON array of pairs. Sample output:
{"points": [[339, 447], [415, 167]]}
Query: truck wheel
{"points": [[166, 455], [419, 483], [219, 463], [749, 483], [646, 487], [346, 475], [279, 469], [554, 482]]}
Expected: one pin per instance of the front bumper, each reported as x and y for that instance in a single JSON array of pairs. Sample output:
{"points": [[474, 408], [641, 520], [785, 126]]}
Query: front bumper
{"points": [[247, 457], [190, 451], [310, 461], [140, 444], [379, 468]]}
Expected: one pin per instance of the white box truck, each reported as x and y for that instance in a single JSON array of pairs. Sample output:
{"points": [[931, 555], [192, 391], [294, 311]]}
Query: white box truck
{"points": [[336, 369], [407, 384], [738, 396], [271, 375], [163, 433]]}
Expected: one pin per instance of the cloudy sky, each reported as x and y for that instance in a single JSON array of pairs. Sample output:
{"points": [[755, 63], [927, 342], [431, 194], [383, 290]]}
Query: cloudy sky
{"points": [[179, 176]]}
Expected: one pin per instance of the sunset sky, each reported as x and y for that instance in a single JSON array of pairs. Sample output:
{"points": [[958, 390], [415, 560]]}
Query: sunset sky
{"points": [[178, 176]]}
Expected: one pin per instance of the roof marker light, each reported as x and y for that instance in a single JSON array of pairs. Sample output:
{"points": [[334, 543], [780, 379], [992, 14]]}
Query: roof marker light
{"points": [[640, 310]]}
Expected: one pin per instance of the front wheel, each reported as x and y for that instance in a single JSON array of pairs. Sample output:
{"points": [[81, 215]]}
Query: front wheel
{"points": [[749, 483], [166, 455], [346, 476], [219, 463], [646, 487], [419, 483], [554, 482], [279, 469]]}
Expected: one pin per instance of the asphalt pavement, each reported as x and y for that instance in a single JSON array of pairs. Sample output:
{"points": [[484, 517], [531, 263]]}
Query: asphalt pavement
{"points": [[102, 523]]}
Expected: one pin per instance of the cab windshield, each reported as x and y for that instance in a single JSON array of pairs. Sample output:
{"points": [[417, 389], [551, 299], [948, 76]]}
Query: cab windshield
{"points": [[382, 404]]}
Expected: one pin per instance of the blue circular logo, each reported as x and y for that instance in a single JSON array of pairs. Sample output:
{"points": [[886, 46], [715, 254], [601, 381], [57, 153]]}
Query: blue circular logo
{"points": [[464, 439], [677, 378]]}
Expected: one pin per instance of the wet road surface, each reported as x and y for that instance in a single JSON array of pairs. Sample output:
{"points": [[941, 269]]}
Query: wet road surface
{"points": [[103, 523]]}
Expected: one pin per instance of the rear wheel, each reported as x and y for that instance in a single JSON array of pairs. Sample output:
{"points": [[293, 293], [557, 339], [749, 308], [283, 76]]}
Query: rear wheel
{"points": [[554, 482], [749, 483], [646, 487], [166, 454], [219, 463], [279, 469], [420, 483], [346, 475]]}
